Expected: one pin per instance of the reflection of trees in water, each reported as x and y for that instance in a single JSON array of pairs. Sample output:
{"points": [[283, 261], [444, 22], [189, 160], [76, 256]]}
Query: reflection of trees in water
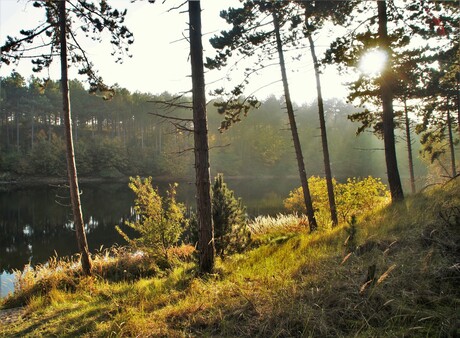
{"points": [[36, 222]]}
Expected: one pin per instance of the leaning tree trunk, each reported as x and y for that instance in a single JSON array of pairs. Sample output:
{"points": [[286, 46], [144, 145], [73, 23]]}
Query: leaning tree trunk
{"points": [[203, 185], [293, 126], [409, 148], [386, 92], [70, 155], [322, 125]]}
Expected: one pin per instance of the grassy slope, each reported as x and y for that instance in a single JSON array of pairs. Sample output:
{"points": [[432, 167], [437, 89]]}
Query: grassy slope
{"points": [[292, 284]]}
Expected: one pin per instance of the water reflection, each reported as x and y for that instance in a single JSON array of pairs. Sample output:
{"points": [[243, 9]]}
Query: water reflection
{"points": [[36, 222], [6, 284]]}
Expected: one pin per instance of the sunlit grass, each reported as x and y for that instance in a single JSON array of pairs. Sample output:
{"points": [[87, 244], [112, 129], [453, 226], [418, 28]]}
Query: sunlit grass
{"points": [[284, 222], [291, 283]]}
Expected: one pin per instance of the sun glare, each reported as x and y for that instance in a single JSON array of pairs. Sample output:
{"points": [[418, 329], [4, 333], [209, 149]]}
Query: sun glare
{"points": [[373, 62]]}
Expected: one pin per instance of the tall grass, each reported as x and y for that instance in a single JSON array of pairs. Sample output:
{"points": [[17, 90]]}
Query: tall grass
{"points": [[288, 222]]}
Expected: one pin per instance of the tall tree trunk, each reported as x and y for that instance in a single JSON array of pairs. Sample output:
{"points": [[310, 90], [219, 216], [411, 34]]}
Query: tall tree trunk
{"points": [[17, 131], [100, 120], [322, 125], [457, 80], [76, 128], [409, 148], [7, 132], [70, 155], [203, 184], [451, 142], [293, 125], [142, 137], [32, 137], [386, 92]]}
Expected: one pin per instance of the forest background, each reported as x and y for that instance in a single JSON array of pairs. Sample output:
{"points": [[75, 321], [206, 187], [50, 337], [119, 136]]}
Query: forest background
{"points": [[123, 136]]}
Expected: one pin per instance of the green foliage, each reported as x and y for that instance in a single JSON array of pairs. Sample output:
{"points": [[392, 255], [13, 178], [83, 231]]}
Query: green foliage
{"points": [[108, 156], [354, 198], [229, 217], [48, 155], [158, 220]]}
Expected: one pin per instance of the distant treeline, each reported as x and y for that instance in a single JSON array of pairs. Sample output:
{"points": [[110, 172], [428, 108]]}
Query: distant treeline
{"points": [[128, 135]]}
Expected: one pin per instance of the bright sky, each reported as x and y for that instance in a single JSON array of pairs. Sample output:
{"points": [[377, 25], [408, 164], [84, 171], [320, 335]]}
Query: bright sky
{"points": [[160, 53]]}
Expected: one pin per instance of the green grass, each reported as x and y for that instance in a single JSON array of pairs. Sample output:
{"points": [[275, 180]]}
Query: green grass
{"points": [[398, 276]]}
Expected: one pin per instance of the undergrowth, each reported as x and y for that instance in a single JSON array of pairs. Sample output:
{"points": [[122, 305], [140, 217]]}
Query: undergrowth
{"points": [[394, 273]]}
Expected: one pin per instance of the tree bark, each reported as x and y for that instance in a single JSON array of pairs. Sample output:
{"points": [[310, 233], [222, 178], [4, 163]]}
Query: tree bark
{"points": [[457, 82], [70, 154], [203, 185], [386, 92], [32, 127], [409, 148], [451, 141], [322, 125], [295, 135]]}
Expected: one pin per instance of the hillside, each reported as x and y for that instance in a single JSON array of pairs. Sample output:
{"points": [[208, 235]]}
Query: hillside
{"points": [[395, 273]]}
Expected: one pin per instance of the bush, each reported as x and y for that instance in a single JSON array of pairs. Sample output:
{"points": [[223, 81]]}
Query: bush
{"points": [[231, 231], [229, 217], [356, 197], [159, 220]]}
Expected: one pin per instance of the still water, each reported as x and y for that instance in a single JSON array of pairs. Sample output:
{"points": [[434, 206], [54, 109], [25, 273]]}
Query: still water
{"points": [[36, 222]]}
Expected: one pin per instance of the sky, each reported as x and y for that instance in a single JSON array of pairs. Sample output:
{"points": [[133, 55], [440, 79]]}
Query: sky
{"points": [[160, 53]]}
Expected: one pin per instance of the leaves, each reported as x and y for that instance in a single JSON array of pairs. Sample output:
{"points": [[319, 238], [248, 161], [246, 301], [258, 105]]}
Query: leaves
{"points": [[158, 220], [354, 198]]}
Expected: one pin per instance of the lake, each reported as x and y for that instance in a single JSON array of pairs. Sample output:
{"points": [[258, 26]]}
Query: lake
{"points": [[36, 222]]}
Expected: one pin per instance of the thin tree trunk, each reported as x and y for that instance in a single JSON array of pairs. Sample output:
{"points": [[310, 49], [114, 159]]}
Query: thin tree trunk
{"points": [[32, 137], [76, 128], [50, 128], [293, 125], [409, 148], [203, 184], [7, 132], [142, 137], [70, 155], [322, 124], [451, 142], [386, 92], [17, 131], [159, 140], [100, 120], [457, 78]]}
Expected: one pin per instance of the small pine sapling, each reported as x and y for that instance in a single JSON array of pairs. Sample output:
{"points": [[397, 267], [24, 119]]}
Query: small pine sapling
{"points": [[231, 233]]}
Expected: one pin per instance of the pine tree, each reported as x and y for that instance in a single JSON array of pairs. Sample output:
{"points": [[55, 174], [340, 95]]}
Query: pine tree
{"points": [[229, 217], [201, 147]]}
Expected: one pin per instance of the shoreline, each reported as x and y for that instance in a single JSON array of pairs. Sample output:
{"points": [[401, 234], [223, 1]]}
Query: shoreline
{"points": [[29, 181]]}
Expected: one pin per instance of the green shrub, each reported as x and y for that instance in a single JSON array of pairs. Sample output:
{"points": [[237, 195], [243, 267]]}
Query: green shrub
{"points": [[356, 197], [159, 220], [231, 233]]}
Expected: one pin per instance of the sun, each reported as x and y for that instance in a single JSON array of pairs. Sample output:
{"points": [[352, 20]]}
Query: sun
{"points": [[373, 62]]}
